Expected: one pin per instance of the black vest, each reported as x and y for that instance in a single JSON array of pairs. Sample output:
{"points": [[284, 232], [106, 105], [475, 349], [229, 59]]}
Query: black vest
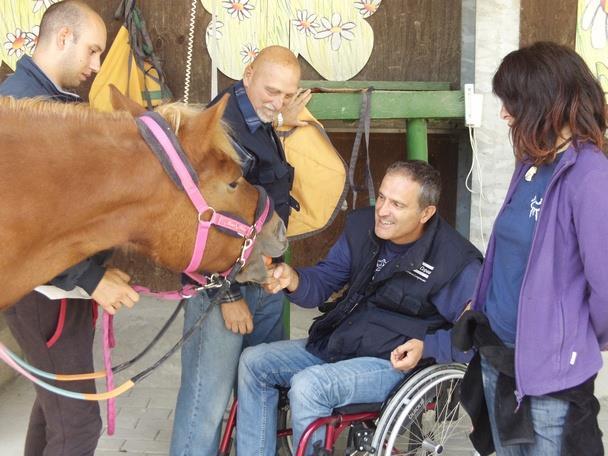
{"points": [[380, 311], [270, 168]]}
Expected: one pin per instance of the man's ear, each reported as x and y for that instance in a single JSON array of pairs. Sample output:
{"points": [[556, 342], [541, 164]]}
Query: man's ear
{"points": [[247, 75], [63, 35], [427, 213]]}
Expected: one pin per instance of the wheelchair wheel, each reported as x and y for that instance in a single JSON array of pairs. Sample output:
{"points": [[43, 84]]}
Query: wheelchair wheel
{"points": [[425, 416], [284, 444]]}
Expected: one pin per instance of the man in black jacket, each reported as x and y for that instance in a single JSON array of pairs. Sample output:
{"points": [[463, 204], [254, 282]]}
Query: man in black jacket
{"points": [[57, 336], [409, 276], [248, 315]]}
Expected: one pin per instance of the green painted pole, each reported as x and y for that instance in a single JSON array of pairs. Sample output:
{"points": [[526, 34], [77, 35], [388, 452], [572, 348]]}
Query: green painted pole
{"points": [[286, 309], [417, 140]]}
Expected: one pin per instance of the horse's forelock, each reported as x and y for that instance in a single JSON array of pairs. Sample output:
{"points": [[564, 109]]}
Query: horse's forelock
{"points": [[177, 114]]}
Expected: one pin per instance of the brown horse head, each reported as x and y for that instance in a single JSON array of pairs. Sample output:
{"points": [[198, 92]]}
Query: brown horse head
{"points": [[75, 182], [204, 139]]}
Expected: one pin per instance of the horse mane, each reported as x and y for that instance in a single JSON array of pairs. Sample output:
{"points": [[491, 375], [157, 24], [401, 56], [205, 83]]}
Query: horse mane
{"points": [[174, 113], [38, 106]]}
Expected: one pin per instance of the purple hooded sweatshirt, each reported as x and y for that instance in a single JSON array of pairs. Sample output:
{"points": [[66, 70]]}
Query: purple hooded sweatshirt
{"points": [[562, 320]]}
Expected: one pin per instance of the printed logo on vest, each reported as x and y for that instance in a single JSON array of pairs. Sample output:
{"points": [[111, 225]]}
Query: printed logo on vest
{"points": [[380, 264], [423, 272]]}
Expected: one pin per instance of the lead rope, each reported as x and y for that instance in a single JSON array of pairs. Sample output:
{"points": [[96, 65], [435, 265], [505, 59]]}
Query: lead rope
{"points": [[108, 344], [189, 50], [363, 130]]}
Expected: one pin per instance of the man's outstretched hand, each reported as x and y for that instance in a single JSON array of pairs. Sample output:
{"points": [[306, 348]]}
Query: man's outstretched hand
{"points": [[280, 276]]}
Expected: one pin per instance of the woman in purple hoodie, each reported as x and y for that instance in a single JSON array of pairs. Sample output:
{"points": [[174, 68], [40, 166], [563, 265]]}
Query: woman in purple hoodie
{"points": [[544, 284]]}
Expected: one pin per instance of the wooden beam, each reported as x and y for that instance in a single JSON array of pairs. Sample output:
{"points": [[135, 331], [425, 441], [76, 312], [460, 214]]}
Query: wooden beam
{"points": [[390, 105]]}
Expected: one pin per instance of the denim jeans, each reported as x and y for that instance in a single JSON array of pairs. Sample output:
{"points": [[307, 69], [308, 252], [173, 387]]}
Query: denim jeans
{"points": [[548, 417], [316, 388], [209, 366]]}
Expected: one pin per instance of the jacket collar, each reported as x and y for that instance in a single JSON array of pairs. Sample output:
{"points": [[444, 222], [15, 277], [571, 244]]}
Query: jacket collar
{"points": [[247, 110], [29, 67], [415, 255]]}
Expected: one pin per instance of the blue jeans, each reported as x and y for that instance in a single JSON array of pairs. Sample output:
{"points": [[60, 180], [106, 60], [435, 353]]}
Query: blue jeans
{"points": [[548, 417], [316, 388], [209, 366]]}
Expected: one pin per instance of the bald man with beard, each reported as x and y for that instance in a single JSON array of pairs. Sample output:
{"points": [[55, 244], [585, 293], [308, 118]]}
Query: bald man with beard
{"points": [[267, 96]]}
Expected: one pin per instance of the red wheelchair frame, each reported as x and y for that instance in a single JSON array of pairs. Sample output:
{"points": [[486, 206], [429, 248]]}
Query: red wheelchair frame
{"points": [[334, 426], [429, 391]]}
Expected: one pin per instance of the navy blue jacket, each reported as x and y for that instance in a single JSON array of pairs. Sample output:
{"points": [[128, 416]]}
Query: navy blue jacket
{"points": [[416, 295], [29, 81], [261, 146]]}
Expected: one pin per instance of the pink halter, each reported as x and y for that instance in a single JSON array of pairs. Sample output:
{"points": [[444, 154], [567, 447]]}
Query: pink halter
{"points": [[163, 142]]}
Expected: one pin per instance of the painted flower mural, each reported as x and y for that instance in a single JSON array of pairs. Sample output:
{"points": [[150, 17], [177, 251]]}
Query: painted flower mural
{"points": [[19, 27], [367, 7], [214, 29], [592, 37], [42, 5], [594, 19], [240, 9], [249, 53], [333, 36], [15, 43], [305, 22], [335, 30], [31, 38]]}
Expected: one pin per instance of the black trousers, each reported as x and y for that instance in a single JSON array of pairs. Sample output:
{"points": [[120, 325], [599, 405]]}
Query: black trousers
{"points": [[58, 426]]}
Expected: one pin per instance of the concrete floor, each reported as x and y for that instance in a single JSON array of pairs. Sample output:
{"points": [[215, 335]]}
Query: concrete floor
{"points": [[145, 413]]}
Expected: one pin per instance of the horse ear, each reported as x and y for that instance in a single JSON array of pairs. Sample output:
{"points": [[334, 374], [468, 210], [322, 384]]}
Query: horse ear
{"points": [[123, 103], [209, 119]]}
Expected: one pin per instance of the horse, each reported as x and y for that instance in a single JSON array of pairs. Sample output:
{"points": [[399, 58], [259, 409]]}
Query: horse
{"points": [[75, 181]]}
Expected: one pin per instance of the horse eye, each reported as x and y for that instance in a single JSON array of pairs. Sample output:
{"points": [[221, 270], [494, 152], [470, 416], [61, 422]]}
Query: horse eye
{"points": [[233, 184]]}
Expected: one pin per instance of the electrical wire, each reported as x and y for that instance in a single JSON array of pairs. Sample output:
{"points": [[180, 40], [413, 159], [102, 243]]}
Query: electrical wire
{"points": [[476, 164]]}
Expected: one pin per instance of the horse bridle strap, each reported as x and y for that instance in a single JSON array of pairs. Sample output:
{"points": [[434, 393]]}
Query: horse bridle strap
{"points": [[160, 138]]}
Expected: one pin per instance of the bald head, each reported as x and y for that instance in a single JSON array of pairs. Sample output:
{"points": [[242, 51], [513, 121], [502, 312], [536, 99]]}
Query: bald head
{"points": [[72, 38], [72, 14], [277, 55], [271, 80]]}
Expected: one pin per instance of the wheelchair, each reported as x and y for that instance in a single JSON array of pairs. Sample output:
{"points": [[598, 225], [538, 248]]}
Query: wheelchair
{"points": [[421, 416]]}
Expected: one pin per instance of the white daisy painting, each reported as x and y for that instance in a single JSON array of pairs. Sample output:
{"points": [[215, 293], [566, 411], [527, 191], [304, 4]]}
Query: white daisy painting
{"points": [[333, 36]]}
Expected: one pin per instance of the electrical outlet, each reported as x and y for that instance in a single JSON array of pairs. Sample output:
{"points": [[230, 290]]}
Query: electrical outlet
{"points": [[473, 103]]}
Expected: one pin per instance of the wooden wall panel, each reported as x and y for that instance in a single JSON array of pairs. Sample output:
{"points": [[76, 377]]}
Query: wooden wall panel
{"points": [[548, 20], [415, 40]]}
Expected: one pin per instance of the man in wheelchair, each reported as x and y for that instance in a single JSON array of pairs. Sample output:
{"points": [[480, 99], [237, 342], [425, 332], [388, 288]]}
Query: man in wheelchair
{"points": [[409, 276]]}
